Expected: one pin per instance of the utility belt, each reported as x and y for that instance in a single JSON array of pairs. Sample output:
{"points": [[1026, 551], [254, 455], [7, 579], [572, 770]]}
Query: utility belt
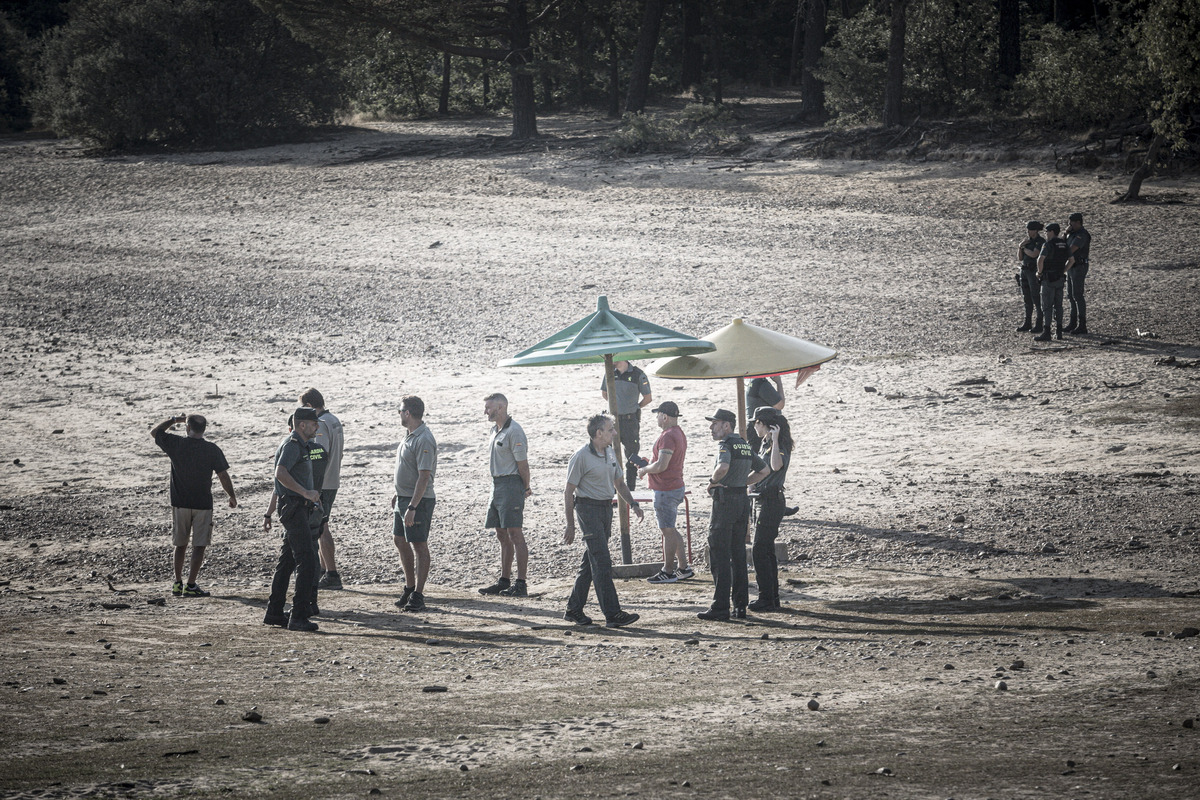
{"points": [[727, 492], [630, 415], [588, 501], [769, 491]]}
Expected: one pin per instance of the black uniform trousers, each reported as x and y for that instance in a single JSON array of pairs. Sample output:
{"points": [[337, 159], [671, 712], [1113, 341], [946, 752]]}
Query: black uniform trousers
{"points": [[727, 547], [297, 555]]}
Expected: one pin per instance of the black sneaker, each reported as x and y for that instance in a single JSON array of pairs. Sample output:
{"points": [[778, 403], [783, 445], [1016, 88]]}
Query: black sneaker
{"points": [[739, 612], [714, 616], [330, 580], [496, 588], [403, 601], [662, 576], [683, 573], [194, 590], [763, 604], [280, 620], [518, 589], [578, 617], [416, 602], [314, 610], [299, 624], [620, 620]]}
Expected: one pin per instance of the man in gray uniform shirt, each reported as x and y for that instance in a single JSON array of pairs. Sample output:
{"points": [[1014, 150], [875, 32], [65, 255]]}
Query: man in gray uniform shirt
{"points": [[633, 393], [509, 466], [416, 462], [593, 474], [329, 436]]}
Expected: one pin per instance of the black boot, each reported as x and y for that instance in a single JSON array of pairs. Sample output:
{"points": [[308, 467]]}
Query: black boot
{"points": [[1028, 325], [1060, 330], [1081, 328]]}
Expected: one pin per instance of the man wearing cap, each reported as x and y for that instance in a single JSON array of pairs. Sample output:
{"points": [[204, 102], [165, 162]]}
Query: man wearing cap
{"points": [[1052, 266], [593, 475], [1079, 241], [331, 439], [736, 466], [193, 462], [762, 392], [633, 393], [665, 477], [508, 462], [299, 509], [416, 463], [1031, 289]]}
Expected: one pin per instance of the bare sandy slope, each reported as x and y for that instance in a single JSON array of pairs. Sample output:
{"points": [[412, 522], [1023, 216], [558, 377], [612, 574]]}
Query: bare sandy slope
{"points": [[967, 497]]}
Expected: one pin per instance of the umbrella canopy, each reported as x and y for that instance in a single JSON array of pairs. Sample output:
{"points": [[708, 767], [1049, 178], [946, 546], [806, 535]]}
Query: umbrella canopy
{"points": [[745, 351], [607, 333]]}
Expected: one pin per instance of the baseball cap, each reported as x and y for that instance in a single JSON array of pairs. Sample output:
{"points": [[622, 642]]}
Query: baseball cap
{"points": [[766, 414], [723, 415], [668, 408], [304, 413]]}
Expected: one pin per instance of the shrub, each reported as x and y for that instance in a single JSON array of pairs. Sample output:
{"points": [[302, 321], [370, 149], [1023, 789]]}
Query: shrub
{"points": [[696, 127], [853, 68], [125, 73], [14, 56]]}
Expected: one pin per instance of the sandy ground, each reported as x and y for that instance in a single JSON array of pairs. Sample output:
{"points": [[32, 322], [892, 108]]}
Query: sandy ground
{"points": [[975, 507]]}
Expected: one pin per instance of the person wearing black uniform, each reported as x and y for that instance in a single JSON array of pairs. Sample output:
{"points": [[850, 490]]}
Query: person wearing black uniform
{"points": [[762, 392], [737, 465], [776, 436], [633, 393], [298, 503], [318, 458], [1031, 288], [1052, 266], [1079, 241]]}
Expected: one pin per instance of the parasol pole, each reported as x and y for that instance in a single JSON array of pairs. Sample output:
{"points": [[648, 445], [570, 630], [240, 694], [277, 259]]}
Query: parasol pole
{"points": [[741, 391], [622, 508]]}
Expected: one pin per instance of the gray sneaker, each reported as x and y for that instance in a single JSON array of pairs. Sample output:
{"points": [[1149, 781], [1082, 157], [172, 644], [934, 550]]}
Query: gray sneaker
{"points": [[621, 619], [518, 589], [330, 580]]}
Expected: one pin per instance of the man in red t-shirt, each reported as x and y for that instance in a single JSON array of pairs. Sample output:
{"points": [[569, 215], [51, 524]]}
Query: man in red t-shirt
{"points": [[665, 477]]}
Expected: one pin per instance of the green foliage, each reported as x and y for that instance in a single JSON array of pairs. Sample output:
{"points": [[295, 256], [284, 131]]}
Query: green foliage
{"points": [[695, 128], [15, 54], [853, 67], [1168, 41], [1075, 79], [126, 73], [950, 57]]}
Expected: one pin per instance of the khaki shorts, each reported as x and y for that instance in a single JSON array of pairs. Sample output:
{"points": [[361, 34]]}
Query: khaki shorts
{"points": [[193, 522]]}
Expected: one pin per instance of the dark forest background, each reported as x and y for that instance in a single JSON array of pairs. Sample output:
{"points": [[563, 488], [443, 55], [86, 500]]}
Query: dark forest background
{"points": [[135, 73]]}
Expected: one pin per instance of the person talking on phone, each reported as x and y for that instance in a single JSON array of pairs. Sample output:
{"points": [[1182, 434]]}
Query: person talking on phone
{"points": [[772, 427]]}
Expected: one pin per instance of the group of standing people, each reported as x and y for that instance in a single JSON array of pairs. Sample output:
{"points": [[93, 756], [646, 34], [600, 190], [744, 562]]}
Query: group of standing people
{"points": [[1048, 265], [307, 469]]}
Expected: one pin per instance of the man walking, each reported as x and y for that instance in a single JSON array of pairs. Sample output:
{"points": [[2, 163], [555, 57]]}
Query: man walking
{"points": [[1052, 266], [509, 466], [665, 477], [1079, 241], [736, 466], [329, 436], [593, 475], [193, 462], [299, 506], [633, 393], [416, 463]]}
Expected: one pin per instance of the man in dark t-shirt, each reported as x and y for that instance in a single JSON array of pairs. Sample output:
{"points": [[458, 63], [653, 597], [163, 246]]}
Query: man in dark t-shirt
{"points": [[193, 462], [762, 392], [1080, 243]]}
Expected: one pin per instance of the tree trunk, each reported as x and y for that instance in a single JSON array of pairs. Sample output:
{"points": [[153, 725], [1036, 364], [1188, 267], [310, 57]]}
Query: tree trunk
{"points": [[812, 89], [716, 41], [643, 57], [487, 84], [691, 70], [523, 101], [1010, 41], [444, 95], [614, 70], [893, 88], [797, 44], [1133, 194]]}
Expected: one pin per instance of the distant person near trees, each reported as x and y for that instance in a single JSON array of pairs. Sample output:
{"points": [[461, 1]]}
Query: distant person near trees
{"points": [[1052, 268], [193, 462], [509, 466], [1027, 278], [331, 439], [633, 393], [413, 502], [665, 477], [1080, 242]]}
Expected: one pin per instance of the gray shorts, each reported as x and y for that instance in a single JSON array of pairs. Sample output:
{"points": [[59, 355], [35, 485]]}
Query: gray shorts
{"points": [[666, 506], [507, 509]]}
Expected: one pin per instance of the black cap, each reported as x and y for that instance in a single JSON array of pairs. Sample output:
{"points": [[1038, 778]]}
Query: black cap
{"points": [[1054, 226], [1033, 225], [723, 415], [304, 413], [1076, 217], [767, 414], [668, 408]]}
